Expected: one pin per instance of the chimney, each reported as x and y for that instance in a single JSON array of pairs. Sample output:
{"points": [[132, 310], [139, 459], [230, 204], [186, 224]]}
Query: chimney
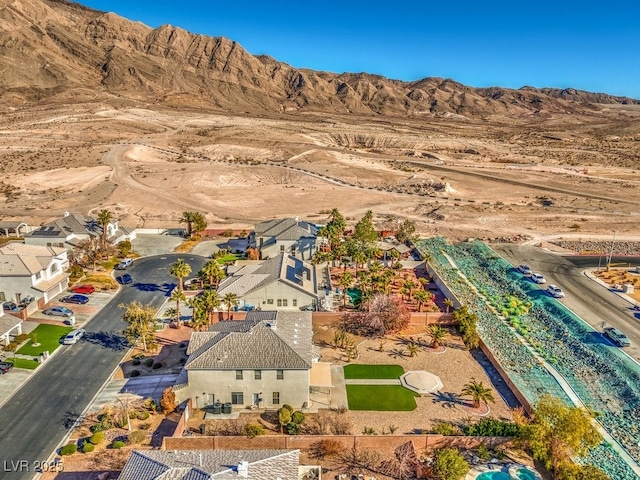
{"points": [[243, 469]]}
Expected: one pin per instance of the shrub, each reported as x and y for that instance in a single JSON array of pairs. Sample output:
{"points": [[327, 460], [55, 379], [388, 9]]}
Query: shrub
{"points": [[253, 430], [133, 415], [447, 429], [150, 404], [293, 428], [137, 436], [483, 453], [23, 337], [69, 449], [97, 438], [136, 362], [168, 401], [143, 415], [144, 426], [490, 427], [88, 447], [117, 444], [325, 448], [156, 366], [297, 417], [148, 362], [134, 373], [98, 427], [12, 347], [449, 464], [288, 407], [369, 431]]}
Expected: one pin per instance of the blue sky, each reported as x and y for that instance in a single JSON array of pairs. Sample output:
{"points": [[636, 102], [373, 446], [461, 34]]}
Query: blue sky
{"points": [[585, 45]]}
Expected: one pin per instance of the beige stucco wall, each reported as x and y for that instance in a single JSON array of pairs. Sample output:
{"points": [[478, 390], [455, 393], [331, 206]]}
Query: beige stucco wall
{"points": [[275, 291], [293, 389]]}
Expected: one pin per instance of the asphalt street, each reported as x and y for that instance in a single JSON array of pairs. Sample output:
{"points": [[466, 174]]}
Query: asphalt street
{"points": [[37, 418], [593, 302]]}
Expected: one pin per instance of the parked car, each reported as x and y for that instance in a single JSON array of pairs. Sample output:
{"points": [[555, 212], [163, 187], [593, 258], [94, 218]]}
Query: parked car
{"points": [[84, 289], [58, 311], [127, 262], [27, 300], [555, 291], [124, 279], [617, 337], [526, 269], [79, 299], [73, 336], [5, 367], [538, 278], [10, 307]]}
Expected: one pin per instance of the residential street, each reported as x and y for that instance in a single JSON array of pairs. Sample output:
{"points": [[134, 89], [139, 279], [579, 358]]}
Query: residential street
{"points": [[37, 418]]}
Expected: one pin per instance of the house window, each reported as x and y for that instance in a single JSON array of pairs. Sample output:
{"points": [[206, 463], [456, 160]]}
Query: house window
{"points": [[257, 374], [282, 248], [238, 374], [293, 250], [269, 301], [237, 398], [276, 398], [294, 302], [2, 297], [279, 302], [280, 374], [38, 276], [54, 268]]}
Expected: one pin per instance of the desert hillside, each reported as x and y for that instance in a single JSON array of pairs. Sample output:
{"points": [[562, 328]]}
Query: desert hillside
{"points": [[63, 50]]}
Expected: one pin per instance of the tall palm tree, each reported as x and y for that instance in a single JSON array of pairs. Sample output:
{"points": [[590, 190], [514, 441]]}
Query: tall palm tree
{"points": [[180, 269], [188, 218], [210, 303], [213, 271], [345, 280], [478, 393], [104, 219], [421, 297], [177, 296], [230, 300], [437, 334], [198, 315]]}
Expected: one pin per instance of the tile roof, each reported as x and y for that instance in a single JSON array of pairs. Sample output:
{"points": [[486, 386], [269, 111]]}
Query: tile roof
{"points": [[18, 259], [265, 340], [285, 229], [8, 322], [211, 465]]}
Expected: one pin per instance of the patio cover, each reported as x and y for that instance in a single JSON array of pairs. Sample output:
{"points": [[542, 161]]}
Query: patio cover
{"points": [[421, 382], [320, 375]]}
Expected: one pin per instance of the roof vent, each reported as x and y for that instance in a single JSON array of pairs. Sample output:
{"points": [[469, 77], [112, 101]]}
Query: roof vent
{"points": [[66, 213], [243, 469]]}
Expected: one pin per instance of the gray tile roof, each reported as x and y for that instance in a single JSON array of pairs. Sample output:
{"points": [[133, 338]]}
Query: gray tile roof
{"points": [[285, 229], [265, 340], [211, 464]]}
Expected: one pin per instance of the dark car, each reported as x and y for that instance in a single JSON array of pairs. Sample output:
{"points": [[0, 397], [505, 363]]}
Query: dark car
{"points": [[85, 289], [124, 279], [79, 299], [5, 367], [10, 306]]}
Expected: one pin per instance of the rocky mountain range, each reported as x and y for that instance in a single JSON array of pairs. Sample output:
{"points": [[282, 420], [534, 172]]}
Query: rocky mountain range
{"points": [[55, 49]]}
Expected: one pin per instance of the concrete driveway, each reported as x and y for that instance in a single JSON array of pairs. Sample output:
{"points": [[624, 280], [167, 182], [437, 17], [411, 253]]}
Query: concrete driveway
{"points": [[133, 388], [12, 381], [155, 244]]}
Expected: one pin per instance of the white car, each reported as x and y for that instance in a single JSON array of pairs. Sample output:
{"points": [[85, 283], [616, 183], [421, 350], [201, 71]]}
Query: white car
{"points": [[525, 269], [555, 291], [73, 336], [538, 278]]}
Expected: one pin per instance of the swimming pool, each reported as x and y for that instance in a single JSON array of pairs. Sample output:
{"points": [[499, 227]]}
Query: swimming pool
{"points": [[494, 475], [503, 472]]}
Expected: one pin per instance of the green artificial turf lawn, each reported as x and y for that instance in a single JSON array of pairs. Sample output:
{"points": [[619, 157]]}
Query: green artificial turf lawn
{"points": [[354, 371], [24, 363], [231, 257], [381, 398], [49, 337]]}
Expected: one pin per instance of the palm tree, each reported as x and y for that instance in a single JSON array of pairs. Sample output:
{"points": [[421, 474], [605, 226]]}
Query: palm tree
{"points": [[345, 280], [478, 393], [188, 218], [410, 285], [180, 269], [413, 349], [210, 303], [198, 315], [213, 271], [104, 219], [394, 255], [230, 300], [448, 303], [437, 334], [359, 257], [177, 296], [422, 297]]}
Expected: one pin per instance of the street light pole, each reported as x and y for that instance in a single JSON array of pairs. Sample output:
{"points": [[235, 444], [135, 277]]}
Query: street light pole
{"points": [[613, 242]]}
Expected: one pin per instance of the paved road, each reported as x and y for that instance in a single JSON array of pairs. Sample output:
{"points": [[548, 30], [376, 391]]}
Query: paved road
{"points": [[37, 418], [591, 301]]}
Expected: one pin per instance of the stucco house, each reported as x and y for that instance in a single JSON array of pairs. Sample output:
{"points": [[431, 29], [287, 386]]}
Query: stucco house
{"points": [[69, 230], [280, 283], [285, 235], [9, 326], [32, 270], [263, 361], [212, 464]]}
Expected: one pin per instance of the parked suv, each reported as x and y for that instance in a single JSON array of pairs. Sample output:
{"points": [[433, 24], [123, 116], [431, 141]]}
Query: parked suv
{"points": [[5, 367], [617, 337], [555, 291], [127, 262], [525, 269], [538, 278]]}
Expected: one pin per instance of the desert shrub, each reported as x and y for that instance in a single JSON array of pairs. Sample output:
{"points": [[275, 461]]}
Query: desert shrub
{"points": [[134, 373], [138, 356], [490, 427], [288, 407], [150, 404], [339, 426], [137, 436], [88, 447], [98, 427], [253, 430], [447, 429], [483, 453], [168, 401], [144, 426], [136, 362], [133, 414], [148, 362], [96, 438], [12, 347], [449, 464], [143, 415], [293, 428], [369, 431], [69, 449], [117, 444], [340, 409], [23, 337], [156, 366], [297, 417], [325, 448], [75, 271]]}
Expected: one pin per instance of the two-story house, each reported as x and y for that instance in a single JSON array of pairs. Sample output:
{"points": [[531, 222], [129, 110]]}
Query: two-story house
{"points": [[280, 283], [73, 228], [286, 235], [264, 361], [32, 270]]}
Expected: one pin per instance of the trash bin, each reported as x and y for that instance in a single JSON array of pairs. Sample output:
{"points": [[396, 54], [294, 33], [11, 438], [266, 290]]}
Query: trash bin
{"points": [[217, 408], [72, 320], [226, 408]]}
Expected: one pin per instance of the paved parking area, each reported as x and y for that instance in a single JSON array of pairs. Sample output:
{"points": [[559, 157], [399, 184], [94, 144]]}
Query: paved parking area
{"points": [[82, 313], [134, 388], [155, 244]]}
